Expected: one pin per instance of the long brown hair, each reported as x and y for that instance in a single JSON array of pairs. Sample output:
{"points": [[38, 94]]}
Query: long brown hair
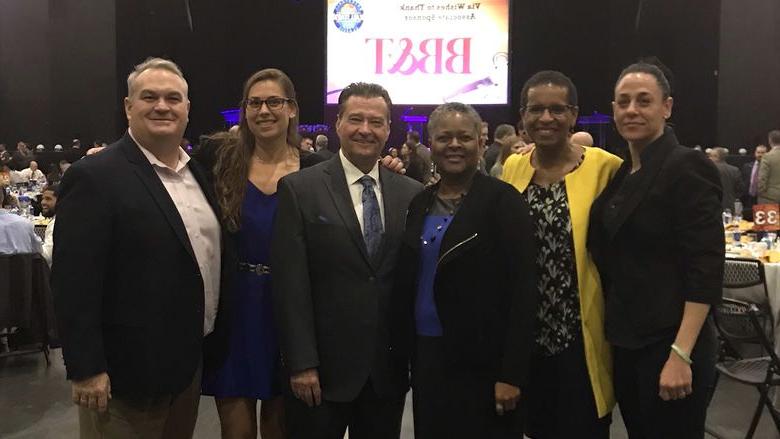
{"points": [[234, 155]]}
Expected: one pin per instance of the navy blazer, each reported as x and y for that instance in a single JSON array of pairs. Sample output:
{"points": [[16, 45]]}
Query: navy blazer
{"points": [[126, 284]]}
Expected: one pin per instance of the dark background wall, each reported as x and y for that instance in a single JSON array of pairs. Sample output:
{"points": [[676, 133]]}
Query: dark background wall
{"points": [[749, 86], [57, 72], [64, 62]]}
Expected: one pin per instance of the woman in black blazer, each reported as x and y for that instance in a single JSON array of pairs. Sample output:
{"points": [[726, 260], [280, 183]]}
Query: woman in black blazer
{"points": [[657, 238], [465, 291]]}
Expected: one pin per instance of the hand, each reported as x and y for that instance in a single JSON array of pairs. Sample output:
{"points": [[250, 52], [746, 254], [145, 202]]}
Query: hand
{"points": [[507, 396], [306, 386], [93, 392], [434, 179], [525, 149], [676, 379], [393, 163]]}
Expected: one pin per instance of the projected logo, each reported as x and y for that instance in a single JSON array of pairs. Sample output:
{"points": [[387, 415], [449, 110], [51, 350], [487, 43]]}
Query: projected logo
{"points": [[348, 16]]}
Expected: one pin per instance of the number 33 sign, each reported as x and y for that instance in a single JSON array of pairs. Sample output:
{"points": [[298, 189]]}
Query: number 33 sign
{"points": [[766, 217]]}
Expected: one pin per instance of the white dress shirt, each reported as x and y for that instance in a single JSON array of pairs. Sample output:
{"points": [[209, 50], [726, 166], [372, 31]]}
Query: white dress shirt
{"points": [[353, 175], [17, 235], [28, 174], [201, 224], [48, 241]]}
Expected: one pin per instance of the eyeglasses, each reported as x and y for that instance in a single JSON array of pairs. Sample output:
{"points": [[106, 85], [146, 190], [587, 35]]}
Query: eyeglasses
{"points": [[555, 110], [273, 103]]}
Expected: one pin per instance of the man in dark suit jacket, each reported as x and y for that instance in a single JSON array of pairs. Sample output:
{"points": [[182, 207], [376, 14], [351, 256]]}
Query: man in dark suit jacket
{"points": [[138, 269], [750, 181], [730, 178], [338, 229]]}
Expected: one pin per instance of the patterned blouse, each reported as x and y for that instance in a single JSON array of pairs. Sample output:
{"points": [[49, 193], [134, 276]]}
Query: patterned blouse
{"points": [[559, 305]]}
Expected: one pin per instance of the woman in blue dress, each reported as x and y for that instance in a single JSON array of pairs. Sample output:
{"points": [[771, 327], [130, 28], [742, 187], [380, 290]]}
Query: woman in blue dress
{"points": [[247, 167]]}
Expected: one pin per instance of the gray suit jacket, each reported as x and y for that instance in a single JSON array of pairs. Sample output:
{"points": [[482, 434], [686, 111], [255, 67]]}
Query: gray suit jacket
{"points": [[769, 178], [331, 300]]}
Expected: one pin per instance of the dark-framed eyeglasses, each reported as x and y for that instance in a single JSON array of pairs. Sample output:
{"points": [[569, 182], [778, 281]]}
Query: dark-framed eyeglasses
{"points": [[273, 102], [556, 110]]}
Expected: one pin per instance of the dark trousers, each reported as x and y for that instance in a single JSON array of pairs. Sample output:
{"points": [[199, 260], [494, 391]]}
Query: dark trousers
{"points": [[369, 416], [451, 404], [560, 398], [636, 376]]}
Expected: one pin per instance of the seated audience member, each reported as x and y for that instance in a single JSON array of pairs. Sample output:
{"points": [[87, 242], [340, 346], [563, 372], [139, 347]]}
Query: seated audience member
{"points": [[307, 144], [465, 294], [730, 178], [48, 209], [17, 234], [5, 156], [58, 148], [22, 156], [509, 145], [53, 176], [582, 138], [32, 173], [6, 176], [494, 151], [76, 144]]}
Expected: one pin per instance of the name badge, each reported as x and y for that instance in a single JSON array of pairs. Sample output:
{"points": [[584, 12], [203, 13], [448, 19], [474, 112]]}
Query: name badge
{"points": [[766, 217]]}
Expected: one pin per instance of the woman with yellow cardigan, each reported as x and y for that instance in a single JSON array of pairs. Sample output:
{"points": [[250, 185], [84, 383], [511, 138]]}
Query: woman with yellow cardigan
{"points": [[570, 392]]}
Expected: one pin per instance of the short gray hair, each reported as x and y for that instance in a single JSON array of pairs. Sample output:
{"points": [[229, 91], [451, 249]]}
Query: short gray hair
{"points": [[149, 64], [452, 108], [321, 141]]}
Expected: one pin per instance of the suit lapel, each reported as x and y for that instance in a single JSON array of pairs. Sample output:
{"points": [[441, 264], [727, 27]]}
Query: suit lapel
{"points": [[395, 211], [146, 173], [653, 159], [336, 183]]}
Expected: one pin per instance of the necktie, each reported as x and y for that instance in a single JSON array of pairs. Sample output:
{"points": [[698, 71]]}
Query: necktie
{"points": [[754, 180], [372, 219]]}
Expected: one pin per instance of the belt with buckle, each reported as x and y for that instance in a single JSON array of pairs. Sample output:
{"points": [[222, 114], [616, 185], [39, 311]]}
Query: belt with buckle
{"points": [[258, 269]]}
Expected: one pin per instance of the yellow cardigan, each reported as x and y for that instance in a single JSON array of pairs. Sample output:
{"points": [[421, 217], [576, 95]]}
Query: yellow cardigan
{"points": [[583, 185]]}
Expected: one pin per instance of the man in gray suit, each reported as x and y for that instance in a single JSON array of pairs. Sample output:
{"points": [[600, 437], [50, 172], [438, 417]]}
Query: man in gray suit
{"points": [[336, 240], [769, 172]]}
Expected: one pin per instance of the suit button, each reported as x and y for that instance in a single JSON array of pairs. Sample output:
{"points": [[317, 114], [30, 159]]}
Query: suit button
{"points": [[371, 279]]}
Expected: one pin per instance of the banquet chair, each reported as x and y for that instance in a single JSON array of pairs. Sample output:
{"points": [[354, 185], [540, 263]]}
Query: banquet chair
{"points": [[738, 322], [26, 304], [745, 280]]}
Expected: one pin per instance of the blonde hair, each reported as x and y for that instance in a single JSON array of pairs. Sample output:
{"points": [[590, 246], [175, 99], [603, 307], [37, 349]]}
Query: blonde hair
{"points": [[149, 64]]}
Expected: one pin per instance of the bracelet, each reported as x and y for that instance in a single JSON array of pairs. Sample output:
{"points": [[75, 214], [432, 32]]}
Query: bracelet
{"points": [[680, 353]]}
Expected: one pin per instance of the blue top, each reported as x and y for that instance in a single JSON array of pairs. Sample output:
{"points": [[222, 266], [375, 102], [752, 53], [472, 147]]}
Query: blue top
{"points": [[425, 314]]}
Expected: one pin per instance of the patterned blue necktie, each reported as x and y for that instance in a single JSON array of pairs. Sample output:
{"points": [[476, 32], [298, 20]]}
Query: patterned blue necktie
{"points": [[372, 219]]}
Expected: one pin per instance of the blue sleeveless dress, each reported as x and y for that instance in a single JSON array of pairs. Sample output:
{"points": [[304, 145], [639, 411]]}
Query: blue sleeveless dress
{"points": [[251, 369]]}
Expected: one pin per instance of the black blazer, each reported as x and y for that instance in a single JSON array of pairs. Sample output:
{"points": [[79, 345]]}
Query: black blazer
{"points": [[331, 301], [127, 288], [665, 244], [485, 286]]}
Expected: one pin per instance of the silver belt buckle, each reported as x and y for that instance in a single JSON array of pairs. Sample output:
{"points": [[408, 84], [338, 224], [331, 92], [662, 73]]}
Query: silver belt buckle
{"points": [[261, 269]]}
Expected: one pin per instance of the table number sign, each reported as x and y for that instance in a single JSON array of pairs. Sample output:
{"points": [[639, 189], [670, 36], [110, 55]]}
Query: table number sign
{"points": [[766, 217]]}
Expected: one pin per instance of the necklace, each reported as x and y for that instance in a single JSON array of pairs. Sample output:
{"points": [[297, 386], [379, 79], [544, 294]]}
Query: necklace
{"points": [[443, 209]]}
